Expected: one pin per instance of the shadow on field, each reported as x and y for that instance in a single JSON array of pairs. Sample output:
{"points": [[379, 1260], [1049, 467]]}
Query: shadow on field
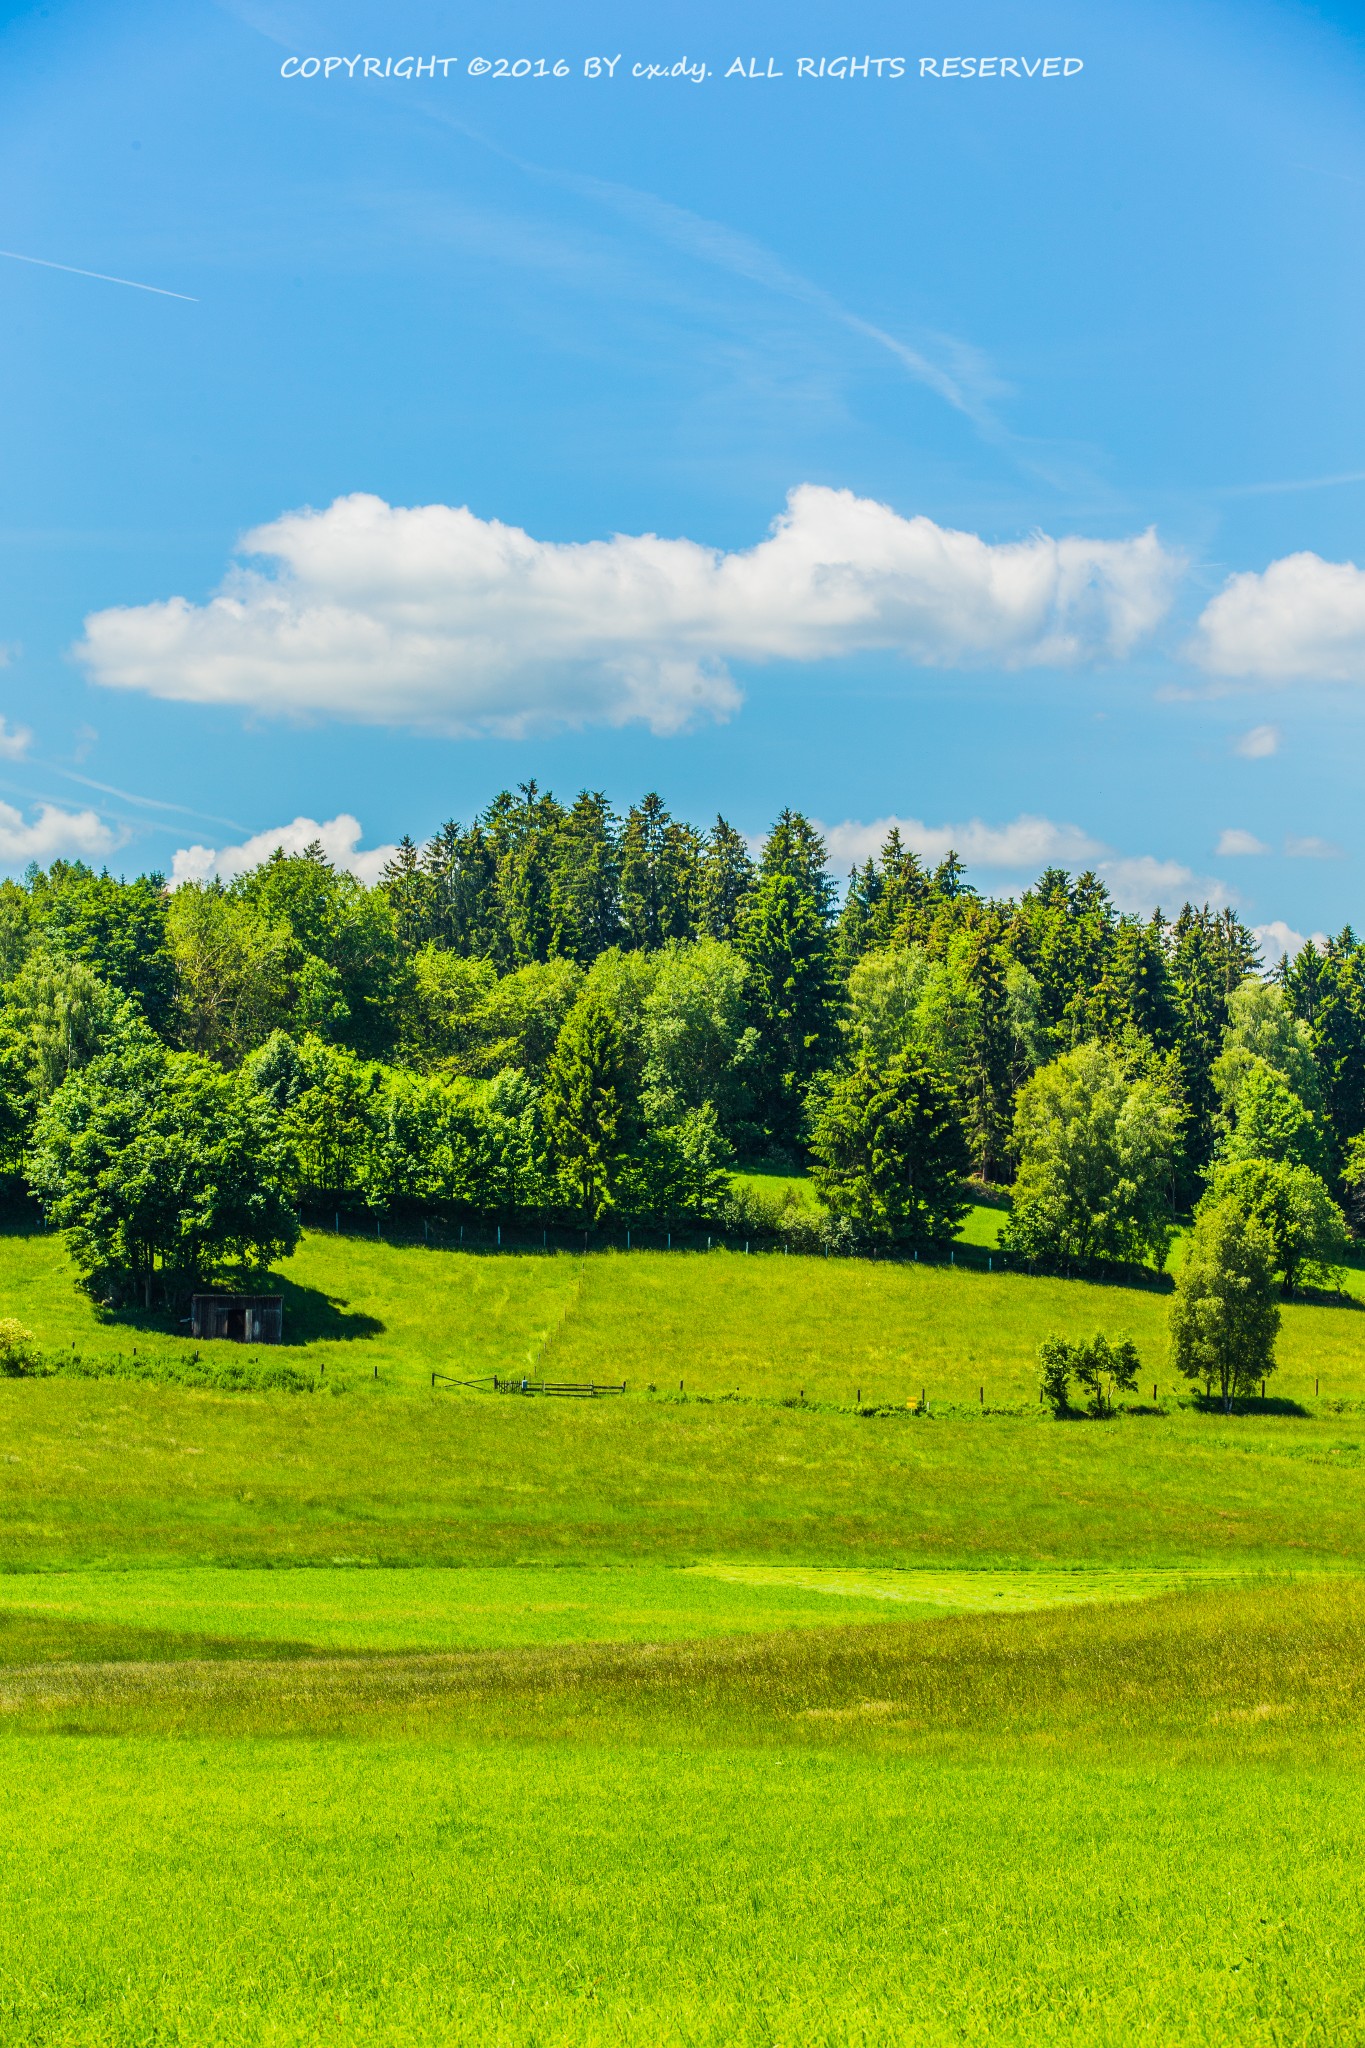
{"points": [[310, 1316], [1251, 1404]]}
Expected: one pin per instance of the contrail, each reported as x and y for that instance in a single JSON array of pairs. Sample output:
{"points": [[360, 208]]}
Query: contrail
{"points": [[102, 276]]}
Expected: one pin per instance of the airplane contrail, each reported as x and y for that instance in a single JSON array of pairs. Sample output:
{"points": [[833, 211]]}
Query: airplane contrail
{"points": [[103, 276]]}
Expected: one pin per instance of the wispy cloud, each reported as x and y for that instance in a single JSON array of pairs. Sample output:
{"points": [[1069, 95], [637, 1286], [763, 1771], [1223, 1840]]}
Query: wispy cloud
{"points": [[1258, 744], [1235, 842], [1310, 847], [100, 276]]}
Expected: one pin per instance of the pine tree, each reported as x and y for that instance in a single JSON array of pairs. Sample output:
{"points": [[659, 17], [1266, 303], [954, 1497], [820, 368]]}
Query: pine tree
{"points": [[785, 938], [587, 1111], [727, 876], [585, 886]]}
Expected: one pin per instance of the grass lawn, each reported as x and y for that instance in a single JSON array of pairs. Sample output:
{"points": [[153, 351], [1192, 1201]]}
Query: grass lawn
{"points": [[1071, 1825], [398, 1715], [766, 1327]]}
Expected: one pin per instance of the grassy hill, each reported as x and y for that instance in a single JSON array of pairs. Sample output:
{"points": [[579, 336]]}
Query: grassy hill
{"points": [[765, 1327], [394, 1714]]}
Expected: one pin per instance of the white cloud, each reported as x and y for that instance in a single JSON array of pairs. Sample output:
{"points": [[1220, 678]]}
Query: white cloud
{"points": [[339, 838], [1028, 842], [430, 616], [1235, 841], [1258, 744], [1141, 883], [14, 743], [1310, 847], [53, 834], [1302, 619], [1277, 939], [1027, 845]]}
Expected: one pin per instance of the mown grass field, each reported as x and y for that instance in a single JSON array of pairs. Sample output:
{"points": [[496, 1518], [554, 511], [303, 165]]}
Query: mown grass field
{"points": [[399, 1715], [765, 1327]]}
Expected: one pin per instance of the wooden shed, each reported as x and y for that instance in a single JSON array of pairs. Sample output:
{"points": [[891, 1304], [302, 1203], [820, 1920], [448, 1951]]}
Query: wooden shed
{"points": [[242, 1318]]}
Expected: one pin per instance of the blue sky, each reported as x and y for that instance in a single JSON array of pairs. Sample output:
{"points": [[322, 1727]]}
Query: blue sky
{"points": [[968, 339]]}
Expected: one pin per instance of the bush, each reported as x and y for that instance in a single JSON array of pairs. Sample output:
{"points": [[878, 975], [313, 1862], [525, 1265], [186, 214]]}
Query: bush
{"points": [[19, 1354], [1105, 1370]]}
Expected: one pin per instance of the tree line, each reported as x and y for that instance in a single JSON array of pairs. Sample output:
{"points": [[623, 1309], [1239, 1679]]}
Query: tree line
{"points": [[557, 1013]]}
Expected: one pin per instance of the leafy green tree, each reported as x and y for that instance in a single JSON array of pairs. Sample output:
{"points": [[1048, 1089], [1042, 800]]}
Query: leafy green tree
{"points": [[16, 929], [1269, 1121], [116, 928], [1054, 1377], [1224, 1318], [463, 1018], [57, 1015], [1294, 1207], [889, 1151], [588, 1113], [330, 1121], [162, 1170], [1096, 1150], [444, 1021], [699, 1046], [521, 838], [346, 966], [1103, 1368], [1262, 1026], [887, 903], [233, 981], [1211, 955], [885, 986]]}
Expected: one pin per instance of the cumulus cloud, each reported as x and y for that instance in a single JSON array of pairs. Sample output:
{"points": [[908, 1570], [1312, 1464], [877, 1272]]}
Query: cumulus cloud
{"points": [[1142, 883], [339, 837], [433, 617], [1310, 847], [14, 741], [1027, 842], [1138, 883], [1277, 939], [1236, 842], [1302, 619], [1258, 744], [53, 834]]}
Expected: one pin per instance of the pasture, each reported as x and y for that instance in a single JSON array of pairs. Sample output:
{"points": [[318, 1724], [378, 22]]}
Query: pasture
{"points": [[758, 1714]]}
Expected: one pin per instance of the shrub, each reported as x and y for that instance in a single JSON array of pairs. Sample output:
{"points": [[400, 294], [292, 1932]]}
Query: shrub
{"points": [[1105, 1370], [19, 1354]]}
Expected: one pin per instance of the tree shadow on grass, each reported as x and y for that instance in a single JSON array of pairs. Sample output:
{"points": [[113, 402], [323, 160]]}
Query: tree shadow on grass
{"points": [[310, 1315], [1251, 1404]]}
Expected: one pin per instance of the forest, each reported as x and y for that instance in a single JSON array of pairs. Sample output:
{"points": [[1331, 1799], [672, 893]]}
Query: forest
{"points": [[555, 1014]]}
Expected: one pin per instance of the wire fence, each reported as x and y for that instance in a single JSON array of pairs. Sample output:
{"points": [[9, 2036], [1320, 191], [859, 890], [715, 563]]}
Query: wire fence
{"points": [[491, 1236]]}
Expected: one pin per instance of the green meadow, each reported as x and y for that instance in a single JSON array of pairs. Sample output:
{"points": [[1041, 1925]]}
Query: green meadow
{"points": [[768, 1711]]}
